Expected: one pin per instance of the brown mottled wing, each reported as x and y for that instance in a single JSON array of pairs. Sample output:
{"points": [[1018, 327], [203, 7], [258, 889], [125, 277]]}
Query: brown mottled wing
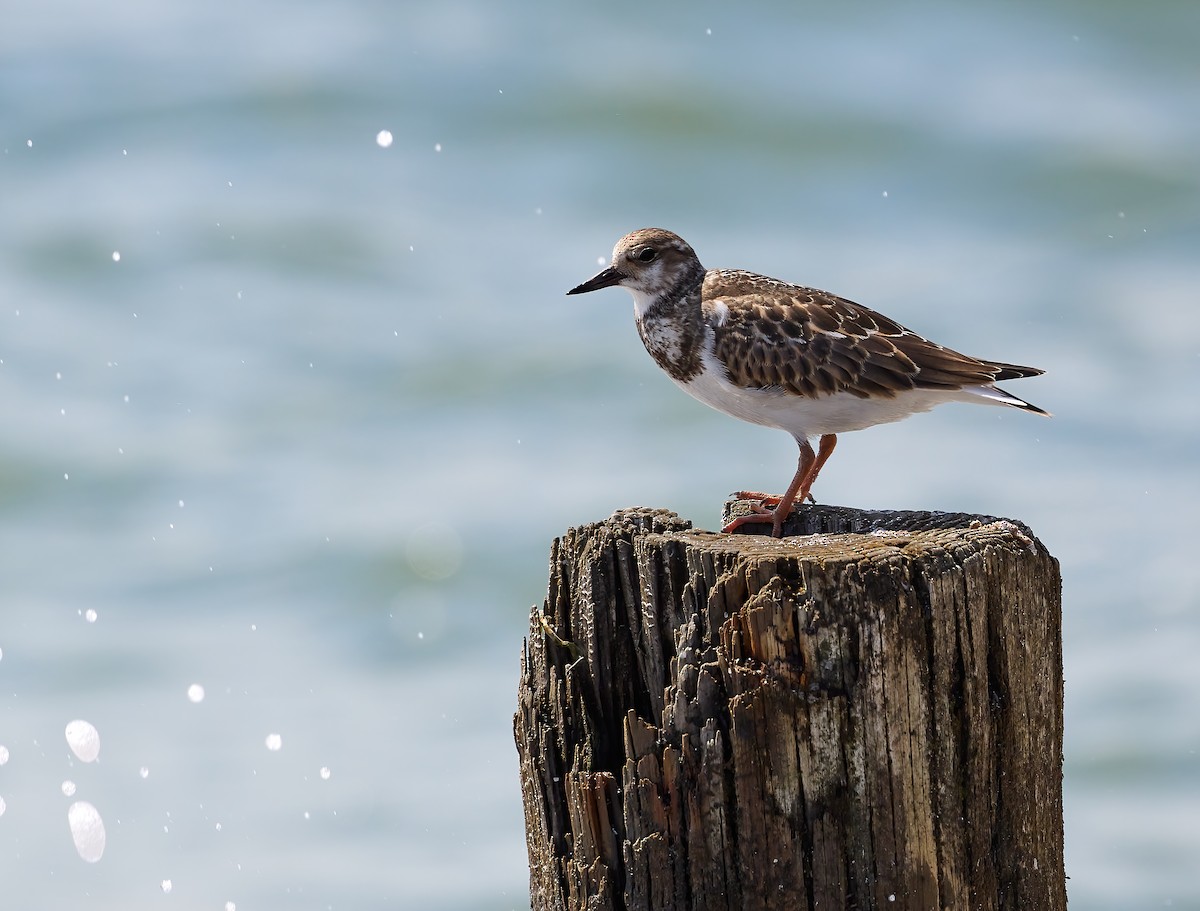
{"points": [[813, 343]]}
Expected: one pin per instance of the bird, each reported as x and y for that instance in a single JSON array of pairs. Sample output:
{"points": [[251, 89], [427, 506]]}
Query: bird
{"points": [[787, 356]]}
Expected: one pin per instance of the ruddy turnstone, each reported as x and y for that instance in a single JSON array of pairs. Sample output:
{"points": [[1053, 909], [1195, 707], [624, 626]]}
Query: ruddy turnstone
{"points": [[782, 355]]}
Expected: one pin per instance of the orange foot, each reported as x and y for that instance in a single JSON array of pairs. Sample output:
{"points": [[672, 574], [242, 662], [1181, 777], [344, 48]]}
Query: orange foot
{"points": [[806, 472], [767, 510], [760, 515], [768, 500]]}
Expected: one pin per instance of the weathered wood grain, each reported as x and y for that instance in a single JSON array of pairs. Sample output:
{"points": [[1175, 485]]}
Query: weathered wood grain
{"points": [[867, 714]]}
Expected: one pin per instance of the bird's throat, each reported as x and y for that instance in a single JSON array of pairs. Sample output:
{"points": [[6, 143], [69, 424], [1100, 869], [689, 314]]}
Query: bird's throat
{"points": [[673, 333]]}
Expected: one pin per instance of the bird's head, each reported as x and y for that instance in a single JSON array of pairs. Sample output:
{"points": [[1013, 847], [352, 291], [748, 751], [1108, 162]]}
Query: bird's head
{"points": [[648, 263]]}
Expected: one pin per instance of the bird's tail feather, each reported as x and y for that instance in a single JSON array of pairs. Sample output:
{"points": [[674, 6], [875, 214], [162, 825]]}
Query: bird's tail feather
{"points": [[999, 396], [1012, 371]]}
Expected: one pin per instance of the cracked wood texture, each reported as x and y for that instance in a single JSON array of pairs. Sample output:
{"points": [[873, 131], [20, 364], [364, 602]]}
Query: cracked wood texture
{"points": [[865, 715]]}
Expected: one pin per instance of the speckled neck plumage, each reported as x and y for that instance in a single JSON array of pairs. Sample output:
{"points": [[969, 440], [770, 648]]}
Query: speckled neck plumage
{"points": [[672, 327]]}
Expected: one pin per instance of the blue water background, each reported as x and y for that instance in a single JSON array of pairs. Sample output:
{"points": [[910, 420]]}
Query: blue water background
{"points": [[297, 415]]}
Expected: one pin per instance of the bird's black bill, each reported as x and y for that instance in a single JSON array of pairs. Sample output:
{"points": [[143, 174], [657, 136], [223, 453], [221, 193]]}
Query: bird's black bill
{"points": [[604, 279]]}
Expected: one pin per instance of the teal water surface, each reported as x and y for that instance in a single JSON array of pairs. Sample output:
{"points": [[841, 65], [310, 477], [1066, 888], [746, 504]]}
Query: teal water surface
{"points": [[293, 413]]}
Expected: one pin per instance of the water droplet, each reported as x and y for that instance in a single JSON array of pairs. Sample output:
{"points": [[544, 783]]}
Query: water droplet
{"points": [[87, 830], [383, 138], [437, 146], [90, 615], [325, 773], [230, 906], [3, 806], [3, 754], [84, 740], [195, 693], [167, 886], [68, 788], [116, 256], [144, 772], [274, 742]]}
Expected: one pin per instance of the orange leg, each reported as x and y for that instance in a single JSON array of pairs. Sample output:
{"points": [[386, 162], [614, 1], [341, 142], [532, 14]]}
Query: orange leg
{"points": [[809, 467]]}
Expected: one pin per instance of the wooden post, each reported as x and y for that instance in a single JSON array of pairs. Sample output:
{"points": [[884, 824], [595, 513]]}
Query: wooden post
{"points": [[867, 717]]}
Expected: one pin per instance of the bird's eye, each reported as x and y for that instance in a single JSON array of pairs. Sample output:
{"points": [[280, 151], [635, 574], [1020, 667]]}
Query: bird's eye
{"points": [[648, 255]]}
